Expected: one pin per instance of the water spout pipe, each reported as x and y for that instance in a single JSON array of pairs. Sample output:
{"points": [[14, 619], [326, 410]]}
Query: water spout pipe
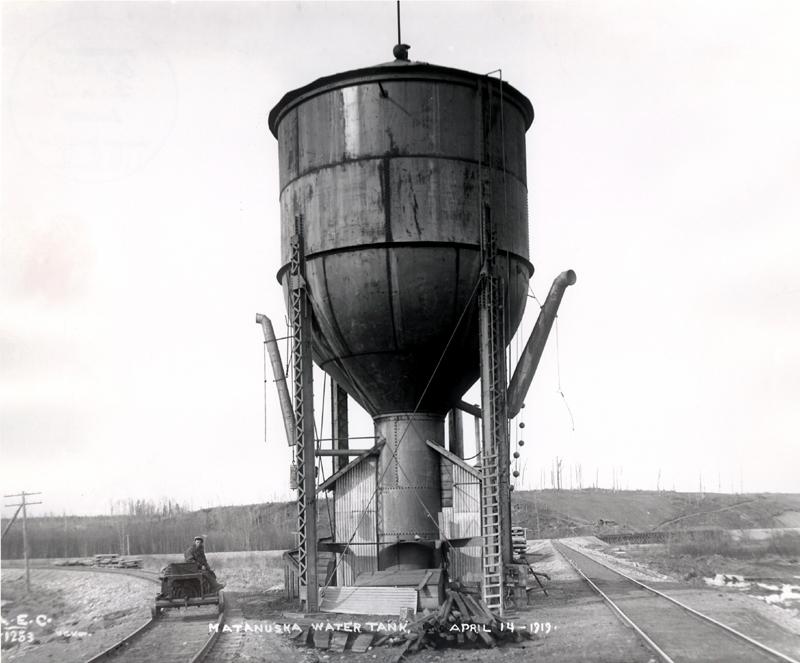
{"points": [[280, 377], [529, 361]]}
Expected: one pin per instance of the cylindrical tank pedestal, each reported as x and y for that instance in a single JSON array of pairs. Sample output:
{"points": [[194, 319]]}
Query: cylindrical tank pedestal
{"points": [[409, 497]]}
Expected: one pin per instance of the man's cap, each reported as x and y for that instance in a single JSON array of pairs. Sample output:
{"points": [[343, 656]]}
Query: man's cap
{"points": [[198, 538]]}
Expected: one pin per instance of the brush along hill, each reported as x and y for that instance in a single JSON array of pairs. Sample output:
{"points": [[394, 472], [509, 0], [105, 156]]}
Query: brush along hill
{"points": [[270, 526], [555, 513]]}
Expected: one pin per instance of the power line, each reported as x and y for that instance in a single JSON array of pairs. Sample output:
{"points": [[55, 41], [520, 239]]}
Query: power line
{"points": [[23, 507], [558, 373]]}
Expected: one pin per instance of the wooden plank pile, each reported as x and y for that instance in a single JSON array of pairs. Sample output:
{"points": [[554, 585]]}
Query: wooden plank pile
{"points": [[462, 620], [336, 641]]}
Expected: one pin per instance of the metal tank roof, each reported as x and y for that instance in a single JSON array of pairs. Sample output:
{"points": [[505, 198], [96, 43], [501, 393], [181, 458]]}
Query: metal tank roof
{"points": [[396, 70]]}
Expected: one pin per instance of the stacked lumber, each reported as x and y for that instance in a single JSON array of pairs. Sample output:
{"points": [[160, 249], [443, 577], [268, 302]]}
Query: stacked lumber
{"points": [[336, 641], [462, 620]]}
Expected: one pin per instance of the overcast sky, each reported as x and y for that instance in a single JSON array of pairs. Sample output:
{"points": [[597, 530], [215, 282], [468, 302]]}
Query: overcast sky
{"points": [[140, 232]]}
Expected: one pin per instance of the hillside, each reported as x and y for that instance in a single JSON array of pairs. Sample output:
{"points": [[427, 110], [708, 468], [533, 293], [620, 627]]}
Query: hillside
{"points": [[559, 513], [268, 526], [546, 514]]}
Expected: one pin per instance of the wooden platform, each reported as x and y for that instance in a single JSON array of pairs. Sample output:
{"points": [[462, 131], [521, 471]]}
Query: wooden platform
{"points": [[399, 578]]}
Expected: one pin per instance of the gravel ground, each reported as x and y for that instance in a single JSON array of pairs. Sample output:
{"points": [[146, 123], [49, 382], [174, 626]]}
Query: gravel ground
{"points": [[568, 615], [569, 612], [581, 627], [71, 616], [772, 625], [544, 559], [769, 624], [604, 553]]}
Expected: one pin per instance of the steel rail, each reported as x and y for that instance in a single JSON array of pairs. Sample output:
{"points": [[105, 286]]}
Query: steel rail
{"points": [[664, 656], [149, 576], [141, 574], [144, 627], [198, 657], [208, 645], [696, 613], [106, 653]]}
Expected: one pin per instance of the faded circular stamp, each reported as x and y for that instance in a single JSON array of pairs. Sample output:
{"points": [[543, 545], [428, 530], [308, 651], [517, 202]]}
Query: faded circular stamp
{"points": [[93, 98]]}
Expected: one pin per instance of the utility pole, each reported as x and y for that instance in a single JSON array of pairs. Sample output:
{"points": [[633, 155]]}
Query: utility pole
{"points": [[23, 506]]}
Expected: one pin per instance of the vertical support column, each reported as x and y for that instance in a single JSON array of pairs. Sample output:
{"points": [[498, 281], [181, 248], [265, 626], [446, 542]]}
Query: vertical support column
{"points": [[495, 497], [455, 432], [302, 374], [339, 424], [495, 502]]}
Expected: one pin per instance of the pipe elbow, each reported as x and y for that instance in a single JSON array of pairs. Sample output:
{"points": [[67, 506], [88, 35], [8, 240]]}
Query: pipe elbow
{"points": [[567, 278]]}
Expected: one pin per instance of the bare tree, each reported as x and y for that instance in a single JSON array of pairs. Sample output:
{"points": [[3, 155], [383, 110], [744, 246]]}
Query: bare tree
{"points": [[559, 469]]}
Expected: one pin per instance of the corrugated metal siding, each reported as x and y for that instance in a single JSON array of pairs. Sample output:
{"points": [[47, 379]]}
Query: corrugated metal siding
{"points": [[359, 558], [369, 600], [291, 576], [354, 494], [446, 471], [463, 521], [466, 501], [465, 564]]}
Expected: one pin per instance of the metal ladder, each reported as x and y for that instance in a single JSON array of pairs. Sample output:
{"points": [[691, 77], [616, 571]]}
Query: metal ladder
{"points": [[495, 508], [492, 586], [494, 428]]}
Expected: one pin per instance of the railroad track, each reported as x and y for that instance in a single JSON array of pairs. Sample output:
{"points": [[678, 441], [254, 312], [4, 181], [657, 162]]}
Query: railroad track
{"points": [[143, 574], [174, 637], [674, 631]]}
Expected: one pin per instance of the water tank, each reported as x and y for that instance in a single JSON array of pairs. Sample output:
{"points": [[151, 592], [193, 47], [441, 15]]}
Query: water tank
{"points": [[384, 165]]}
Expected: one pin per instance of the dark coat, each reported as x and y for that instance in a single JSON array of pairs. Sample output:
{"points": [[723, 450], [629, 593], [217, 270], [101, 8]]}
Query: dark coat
{"points": [[196, 555]]}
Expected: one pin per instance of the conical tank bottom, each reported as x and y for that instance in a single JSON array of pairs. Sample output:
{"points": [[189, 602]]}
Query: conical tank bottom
{"points": [[400, 330]]}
